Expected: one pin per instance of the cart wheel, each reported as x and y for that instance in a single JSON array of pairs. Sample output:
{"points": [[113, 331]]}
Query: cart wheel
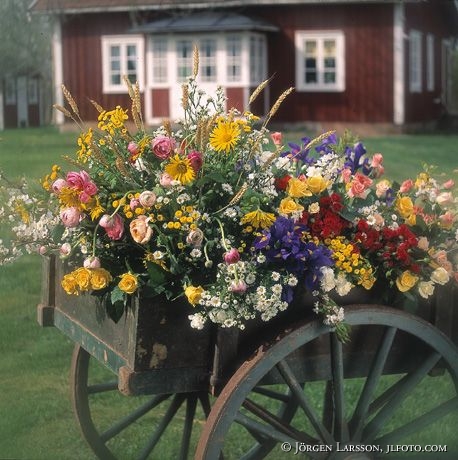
{"points": [[368, 402], [118, 426]]}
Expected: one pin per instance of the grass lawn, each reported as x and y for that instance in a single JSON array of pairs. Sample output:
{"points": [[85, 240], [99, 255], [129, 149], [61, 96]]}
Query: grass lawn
{"points": [[36, 419]]}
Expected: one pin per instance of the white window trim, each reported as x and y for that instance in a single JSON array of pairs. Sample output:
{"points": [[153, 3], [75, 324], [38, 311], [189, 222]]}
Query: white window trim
{"points": [[430, 58], [415, 62], [123, 40], [339, 37], [221, 59]]}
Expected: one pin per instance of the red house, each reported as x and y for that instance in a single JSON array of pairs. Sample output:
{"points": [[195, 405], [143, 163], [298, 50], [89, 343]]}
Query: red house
{"points": [[357, 62]]}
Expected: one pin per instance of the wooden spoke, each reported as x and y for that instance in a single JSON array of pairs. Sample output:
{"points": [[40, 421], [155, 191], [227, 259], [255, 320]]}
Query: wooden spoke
{"points": [[102, 387]]}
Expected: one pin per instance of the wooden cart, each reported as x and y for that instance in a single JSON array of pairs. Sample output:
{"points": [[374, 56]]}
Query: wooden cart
{"points": [[253, 387]]}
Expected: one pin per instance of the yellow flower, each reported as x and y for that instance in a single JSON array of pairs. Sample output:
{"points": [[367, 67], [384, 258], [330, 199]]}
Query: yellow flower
{"points": [[100, 278], [180, 169], [317, 184], [406, 281], [83, 278], [69, 284], [193, 294], [288, 206], [84, 142], [405, 207], [259, 219], [128, 283], [224, 136], [298, 188]]}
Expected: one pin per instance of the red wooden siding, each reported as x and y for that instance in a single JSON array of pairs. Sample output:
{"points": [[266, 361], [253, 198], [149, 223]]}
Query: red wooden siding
{"points": [[235, 98], [160, 103], [34, 115], [368, 56], [82, 60]]}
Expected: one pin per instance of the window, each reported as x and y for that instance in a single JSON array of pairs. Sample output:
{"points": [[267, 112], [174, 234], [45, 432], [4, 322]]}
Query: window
{"points": [[415, 64], [207, 59], [159, 62], [122, 56], [430, 62], [184, 50], [257, 59], [32, 91], [320, 61], [10, 91], [234, 58]]}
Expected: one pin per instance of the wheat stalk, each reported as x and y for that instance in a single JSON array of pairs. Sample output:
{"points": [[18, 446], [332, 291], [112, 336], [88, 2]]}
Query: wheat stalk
{"points": [[97, 106], [184, 96], [70, 100], [130, 89], [318, 139], [63, 110], [258, 90], [277, 104], [195, 61]]}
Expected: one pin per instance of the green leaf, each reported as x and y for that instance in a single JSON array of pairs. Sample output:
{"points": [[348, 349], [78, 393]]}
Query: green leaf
{"points": [[156, 274], [117, 295]]}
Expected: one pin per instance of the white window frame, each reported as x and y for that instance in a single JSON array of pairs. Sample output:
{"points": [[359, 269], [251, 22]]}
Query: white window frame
{"points": [[320, 37], [234, 52], [257, 53], [10, 91], [415, 62], [159, 60], [430, 58], [123, 41], [209, 62], [32, 91]]}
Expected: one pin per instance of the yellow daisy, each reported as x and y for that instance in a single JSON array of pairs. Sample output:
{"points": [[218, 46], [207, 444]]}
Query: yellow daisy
{"points": [[180, 169], [224, 136], [259, 219]]}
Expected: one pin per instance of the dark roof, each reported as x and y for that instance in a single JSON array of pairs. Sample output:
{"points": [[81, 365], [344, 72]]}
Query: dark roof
{"points": [[92, 6], [205, 22]]}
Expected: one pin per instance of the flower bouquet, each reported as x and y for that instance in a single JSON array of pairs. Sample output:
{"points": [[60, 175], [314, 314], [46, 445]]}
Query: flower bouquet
{"points": [[222, 211]]}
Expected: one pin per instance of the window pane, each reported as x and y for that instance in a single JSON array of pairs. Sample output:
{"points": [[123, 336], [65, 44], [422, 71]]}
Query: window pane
{"points": [[160, 73], [234, 58], [131, 51], [329, 47], [329, 77], [115, 66], [207, 54], [184, 59], [330, 62], [310, 47], [310, 77], [115, 79], [115, 51], [310, 63]]}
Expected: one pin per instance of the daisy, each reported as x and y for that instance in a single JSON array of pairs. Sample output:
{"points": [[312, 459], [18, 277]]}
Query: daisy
{"points": [[180, 169], [224, 136]]}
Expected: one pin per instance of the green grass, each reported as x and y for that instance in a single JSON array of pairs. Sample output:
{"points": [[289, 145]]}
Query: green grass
{"points": [[36, 419]]}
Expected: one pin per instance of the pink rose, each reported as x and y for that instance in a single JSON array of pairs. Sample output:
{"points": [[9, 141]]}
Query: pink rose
{"points": [[359, 186], [166, 180], [195, 159], [147, 199], [444, 198], [381, 188], [423, 243], [377, 160], [133, 148], [447, 219], [113, 225], [70, 217], [277, 138], [449, 184], [140, 231], [346, 175], [406, 186], [163, 146], [238, 287], [65, 249], [58, 185], [74, 180], [134, 203], [195, 238], [92, 262], [232, 256]]}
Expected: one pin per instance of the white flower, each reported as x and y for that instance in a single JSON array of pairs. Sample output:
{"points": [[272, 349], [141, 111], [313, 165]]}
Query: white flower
{"points": [[440, 276], [426, 289], [275, 276], [196, 253]]}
